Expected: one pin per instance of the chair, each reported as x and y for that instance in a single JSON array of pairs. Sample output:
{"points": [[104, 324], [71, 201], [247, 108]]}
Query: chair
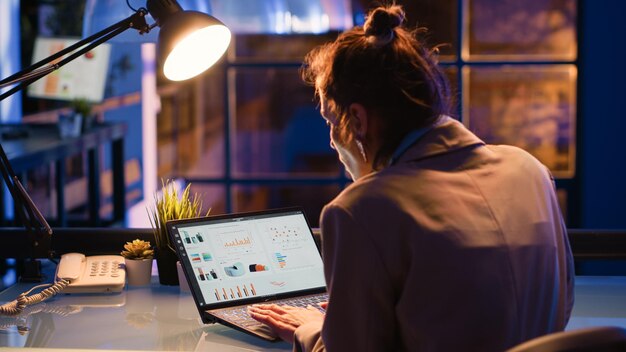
{"points": [[596, 339]]}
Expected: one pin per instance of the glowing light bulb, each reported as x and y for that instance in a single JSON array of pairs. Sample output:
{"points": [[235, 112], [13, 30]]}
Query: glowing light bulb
{"points": [[196, 52]]}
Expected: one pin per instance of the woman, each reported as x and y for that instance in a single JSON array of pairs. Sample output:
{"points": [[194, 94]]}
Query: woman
{"points": [[442, 243]]}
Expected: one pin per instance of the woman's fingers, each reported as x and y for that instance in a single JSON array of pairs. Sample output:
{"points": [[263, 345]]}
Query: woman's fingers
{"points": [[271, 307], [277, 318]]}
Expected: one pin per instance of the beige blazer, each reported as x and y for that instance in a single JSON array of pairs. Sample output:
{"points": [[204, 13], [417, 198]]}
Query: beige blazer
{"points": [[459, 246]]}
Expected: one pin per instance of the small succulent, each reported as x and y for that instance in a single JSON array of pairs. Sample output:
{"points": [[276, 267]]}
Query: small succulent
{"points": [[137, 249]]}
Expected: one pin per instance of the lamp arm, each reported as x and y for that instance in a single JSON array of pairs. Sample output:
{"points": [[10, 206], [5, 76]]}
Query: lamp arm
{"points": [[31, 74], [37, 228], [33, 221], [27, 76], [34, 76], [33, 212], [7, 175]]}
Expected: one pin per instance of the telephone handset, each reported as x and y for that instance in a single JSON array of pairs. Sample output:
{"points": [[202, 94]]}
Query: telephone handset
{"points": [[93, 274]]}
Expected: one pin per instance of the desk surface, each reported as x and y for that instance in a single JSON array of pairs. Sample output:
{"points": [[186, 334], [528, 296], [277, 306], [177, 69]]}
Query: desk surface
{"points": [[139, 318], [161, 318]]}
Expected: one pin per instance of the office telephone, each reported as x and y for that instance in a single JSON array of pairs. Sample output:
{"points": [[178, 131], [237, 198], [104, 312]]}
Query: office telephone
{"points": [[93, 274], [75, 274]]}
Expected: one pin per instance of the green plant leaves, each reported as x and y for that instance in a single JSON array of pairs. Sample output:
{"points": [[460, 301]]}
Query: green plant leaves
{"points": [[172, 207]]}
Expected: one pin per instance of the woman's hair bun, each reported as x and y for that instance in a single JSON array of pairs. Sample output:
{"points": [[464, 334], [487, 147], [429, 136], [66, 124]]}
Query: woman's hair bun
{"points": [[382, 20]]}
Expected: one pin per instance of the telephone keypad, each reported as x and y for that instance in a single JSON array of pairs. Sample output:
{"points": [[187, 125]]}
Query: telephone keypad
{"points": [[104, 268], [100, 274], [115, 268], [94, 269]]}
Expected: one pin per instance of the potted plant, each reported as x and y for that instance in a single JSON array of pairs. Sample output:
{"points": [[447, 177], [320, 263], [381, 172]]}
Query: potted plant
{"points": [[71, 123], [83, 108], [138, 256], [169, 206]]}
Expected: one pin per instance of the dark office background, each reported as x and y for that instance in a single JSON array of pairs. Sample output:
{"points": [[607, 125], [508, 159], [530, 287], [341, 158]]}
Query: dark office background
{"points": [[595, 195], [602, 117], [265, 167]]}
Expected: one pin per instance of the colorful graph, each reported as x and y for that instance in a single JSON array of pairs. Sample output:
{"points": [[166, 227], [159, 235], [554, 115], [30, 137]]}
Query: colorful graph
{"points": [[210, 275], [239, 291], [288, 236], [281, 259], [284, 233], [201, 275], [194, 239], [238, 242]]}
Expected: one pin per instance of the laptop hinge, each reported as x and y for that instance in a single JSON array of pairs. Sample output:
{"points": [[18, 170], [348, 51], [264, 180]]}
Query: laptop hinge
{"points": [[208, 319]]}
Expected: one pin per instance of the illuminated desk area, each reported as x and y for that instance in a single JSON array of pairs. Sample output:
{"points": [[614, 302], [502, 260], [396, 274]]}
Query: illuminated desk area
{"points": [[140, 318], [161, 318]]}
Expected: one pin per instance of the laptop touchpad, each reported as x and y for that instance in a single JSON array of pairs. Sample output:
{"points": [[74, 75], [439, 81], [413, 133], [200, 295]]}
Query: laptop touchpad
{"points": [[264, 331]]}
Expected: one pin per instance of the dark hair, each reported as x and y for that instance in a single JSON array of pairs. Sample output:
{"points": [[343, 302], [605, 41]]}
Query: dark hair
{"points": [[385, 68]]}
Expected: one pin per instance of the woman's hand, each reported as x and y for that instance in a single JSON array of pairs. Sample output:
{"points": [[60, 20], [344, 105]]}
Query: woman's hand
{"points": [[284, 320]]}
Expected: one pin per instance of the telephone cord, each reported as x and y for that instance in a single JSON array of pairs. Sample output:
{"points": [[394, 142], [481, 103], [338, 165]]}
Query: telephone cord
{"points": [[23, 300]]}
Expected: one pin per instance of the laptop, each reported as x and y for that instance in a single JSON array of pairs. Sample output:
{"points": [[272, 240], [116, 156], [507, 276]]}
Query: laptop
{"points": [[234, 260]]}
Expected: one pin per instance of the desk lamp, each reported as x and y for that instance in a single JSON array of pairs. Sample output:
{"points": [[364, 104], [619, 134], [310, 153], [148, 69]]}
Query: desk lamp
{"points": [[189, 43]]}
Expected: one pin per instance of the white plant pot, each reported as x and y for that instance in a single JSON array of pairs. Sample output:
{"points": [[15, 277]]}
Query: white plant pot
{"points": [[138, 271]]}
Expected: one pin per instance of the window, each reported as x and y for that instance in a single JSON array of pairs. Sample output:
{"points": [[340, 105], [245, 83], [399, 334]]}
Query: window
{"points": [[258, 141]]}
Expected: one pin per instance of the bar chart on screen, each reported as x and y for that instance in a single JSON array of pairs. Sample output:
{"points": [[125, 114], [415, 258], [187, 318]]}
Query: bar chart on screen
{"points": [[196, 238], [206, 274], [245, 241], [236, 241], [293, 260], [281, 260], [235, 292]]}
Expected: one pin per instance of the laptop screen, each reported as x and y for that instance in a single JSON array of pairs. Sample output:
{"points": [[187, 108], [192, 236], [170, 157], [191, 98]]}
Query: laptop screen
{"points": [[246, 256]]}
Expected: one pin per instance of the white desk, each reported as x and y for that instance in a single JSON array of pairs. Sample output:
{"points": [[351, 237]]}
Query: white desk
{"points": [[600, 300], [140, 318], [162, 318]]}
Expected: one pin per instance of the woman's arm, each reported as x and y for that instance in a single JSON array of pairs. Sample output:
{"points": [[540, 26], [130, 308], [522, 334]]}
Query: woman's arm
{"points": [[361, 311]]}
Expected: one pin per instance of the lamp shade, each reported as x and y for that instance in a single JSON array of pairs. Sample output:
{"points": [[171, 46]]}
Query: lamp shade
{"points": [[189, 43], [99, 14]]}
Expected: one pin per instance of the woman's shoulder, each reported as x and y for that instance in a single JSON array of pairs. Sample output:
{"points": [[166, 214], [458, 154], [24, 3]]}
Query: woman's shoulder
{"points": [[377, 189], [518, 156]]}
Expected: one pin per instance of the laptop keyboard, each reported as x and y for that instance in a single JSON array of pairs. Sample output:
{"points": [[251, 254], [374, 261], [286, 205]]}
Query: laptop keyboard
{"points": [[304, 302], [239, 315]]}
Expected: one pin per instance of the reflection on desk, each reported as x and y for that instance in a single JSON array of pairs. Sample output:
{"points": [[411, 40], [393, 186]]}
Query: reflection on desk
{"points": [[161, 318], [139, 318]]}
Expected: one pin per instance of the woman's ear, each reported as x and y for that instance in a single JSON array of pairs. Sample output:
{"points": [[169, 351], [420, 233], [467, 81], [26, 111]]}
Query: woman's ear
{"points": [[359, 117]]}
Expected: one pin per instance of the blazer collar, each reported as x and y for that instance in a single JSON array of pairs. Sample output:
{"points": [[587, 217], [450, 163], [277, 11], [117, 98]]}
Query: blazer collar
{"points": [[446, 137]]}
